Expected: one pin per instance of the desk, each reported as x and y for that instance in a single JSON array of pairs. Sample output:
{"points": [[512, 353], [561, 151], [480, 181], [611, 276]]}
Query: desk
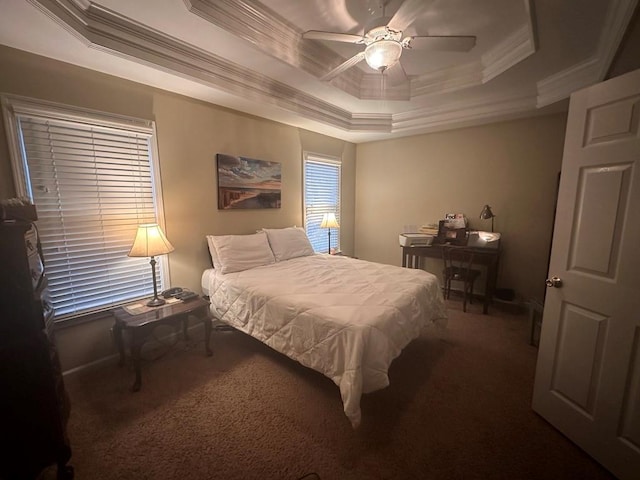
{"points": [[483, 256], [141, 326]]}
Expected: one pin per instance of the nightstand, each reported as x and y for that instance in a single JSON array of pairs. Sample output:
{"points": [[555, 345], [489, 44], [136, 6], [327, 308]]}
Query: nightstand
{"points": [[342, 254], [142, 324]]}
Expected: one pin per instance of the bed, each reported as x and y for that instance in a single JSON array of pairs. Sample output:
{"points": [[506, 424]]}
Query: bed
{"points": [[343, 317]]}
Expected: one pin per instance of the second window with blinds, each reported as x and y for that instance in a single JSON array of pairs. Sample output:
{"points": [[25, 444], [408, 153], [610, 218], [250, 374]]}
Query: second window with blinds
{"points": [[321, 196]]}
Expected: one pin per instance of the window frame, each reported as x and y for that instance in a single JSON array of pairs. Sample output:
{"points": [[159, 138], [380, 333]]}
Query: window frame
{"points": [[14, 106], [311, 157]]}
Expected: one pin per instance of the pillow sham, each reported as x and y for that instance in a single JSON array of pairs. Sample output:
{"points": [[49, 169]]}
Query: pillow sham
{"points": [[236, 253], [287, 243], [212, 252]]}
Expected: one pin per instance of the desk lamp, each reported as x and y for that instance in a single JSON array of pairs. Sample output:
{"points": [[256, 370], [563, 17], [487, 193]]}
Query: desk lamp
{"points": [[487, 214], [150, 242], [329, 221]]}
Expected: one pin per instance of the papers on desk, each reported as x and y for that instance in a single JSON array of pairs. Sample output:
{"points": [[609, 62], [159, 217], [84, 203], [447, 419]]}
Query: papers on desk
{"points": [[429, 229]]}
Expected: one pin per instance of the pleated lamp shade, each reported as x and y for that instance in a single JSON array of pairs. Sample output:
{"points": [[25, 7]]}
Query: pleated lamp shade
{"points": [[150, 241], [329, 221]]}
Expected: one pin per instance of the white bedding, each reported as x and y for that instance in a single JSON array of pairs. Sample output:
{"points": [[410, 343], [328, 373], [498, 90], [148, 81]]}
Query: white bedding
{"points": [[343, 317]]}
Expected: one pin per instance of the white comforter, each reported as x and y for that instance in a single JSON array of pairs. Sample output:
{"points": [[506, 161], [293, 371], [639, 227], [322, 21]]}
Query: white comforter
{"points": [[343, 317]]}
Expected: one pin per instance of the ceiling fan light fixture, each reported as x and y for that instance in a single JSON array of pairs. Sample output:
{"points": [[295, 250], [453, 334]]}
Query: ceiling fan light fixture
{"points": [[383, 54]]}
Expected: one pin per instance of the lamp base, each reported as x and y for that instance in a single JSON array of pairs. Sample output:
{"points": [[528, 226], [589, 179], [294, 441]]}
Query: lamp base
{"points": [[156, 302]]}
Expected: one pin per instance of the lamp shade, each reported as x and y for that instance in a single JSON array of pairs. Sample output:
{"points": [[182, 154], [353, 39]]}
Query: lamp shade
{"points": [[486, 213], [329, 221], [383, 54], [150, 241]]}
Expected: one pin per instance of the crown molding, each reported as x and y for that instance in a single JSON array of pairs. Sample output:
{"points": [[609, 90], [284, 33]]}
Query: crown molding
{"points": [[252, 21], [276, 37], [462, 114], [381, 123], [447, 80], [593, 69], [102, 29], [618, 18], [108, 31], [515, 48], [371, 88], [563, 84], [512, 50]]}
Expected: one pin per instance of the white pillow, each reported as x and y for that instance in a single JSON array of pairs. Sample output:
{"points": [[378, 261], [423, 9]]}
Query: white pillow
{"points": [[289, 243], [213, 253], [236, 253]]}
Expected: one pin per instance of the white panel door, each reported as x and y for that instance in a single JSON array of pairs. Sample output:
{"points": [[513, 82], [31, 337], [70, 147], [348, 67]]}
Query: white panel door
{"points": [[588, 373]]}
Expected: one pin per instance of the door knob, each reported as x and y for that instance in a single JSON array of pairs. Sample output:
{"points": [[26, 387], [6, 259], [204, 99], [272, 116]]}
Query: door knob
{"points": [[553, 282]]}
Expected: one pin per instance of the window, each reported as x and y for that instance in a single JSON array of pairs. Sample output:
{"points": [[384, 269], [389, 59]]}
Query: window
{"points": [[321, 195], [91, 177]]}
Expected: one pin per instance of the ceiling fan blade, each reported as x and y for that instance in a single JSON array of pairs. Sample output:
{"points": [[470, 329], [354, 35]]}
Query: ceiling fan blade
{"points": [[442, 43], [357, 58], [407, 13], [332, 36], [395, 75]]}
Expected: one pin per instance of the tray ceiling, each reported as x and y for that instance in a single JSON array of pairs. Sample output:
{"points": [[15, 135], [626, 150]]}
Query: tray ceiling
{"points": [[250, 55]]}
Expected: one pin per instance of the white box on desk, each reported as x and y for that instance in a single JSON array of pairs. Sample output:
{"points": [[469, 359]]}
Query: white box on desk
{"points": [[415, 239]]}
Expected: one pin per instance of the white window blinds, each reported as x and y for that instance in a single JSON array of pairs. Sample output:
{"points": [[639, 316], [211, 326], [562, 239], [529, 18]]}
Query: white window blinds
{"points": [[92, 184], [321, 195]]}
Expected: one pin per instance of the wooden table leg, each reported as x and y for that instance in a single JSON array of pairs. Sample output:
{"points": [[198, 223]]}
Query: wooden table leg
{"points": [[485, 305], [136, 351], [185, 326], [492, 278], [117, 337], [207, 334]]}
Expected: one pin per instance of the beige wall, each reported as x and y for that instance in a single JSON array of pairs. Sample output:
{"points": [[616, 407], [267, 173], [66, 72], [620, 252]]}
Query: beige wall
{"points": [[512, 166], [189, 133]]}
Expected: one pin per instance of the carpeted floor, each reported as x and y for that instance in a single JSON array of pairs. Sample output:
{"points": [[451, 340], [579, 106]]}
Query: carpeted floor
{"points": [[458, 407]]}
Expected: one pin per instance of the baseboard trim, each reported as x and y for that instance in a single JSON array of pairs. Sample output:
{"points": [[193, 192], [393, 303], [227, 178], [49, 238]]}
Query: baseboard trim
{"points": [[513, 306], [113, 359]]}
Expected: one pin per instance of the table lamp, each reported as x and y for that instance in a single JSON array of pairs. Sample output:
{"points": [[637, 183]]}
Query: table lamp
{"points": [[150, 242], [487, 214], [329, 221]]}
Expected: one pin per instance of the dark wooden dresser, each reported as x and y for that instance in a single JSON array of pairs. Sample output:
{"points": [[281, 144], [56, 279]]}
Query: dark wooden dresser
{"points": [[34, 406]]}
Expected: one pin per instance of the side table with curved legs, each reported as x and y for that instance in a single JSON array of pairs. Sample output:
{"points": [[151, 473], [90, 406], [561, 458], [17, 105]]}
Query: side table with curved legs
{"points": [[140, 327]]}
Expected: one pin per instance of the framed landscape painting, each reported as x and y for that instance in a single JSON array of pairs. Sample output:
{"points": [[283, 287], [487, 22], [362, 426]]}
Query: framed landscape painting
{"points": [[246, 183]]}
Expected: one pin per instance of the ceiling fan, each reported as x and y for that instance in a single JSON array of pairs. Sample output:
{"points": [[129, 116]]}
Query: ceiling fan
{"points": [[384, 42]]}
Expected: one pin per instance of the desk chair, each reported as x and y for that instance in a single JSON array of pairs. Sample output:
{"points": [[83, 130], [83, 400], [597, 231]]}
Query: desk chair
{"points": [[458, 263]]}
